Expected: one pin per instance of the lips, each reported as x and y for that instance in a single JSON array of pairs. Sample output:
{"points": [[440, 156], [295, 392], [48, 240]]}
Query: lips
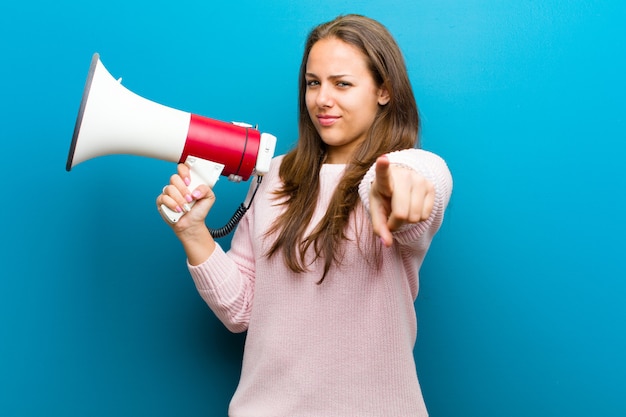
{"points": [[327, 120]]}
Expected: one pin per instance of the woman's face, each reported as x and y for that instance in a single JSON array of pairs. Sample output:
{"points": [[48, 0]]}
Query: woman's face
{"points": [[342, 97]]}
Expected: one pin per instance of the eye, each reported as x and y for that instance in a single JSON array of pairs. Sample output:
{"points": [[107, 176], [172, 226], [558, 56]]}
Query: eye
{"points": [[312, 83], [343, 84]]}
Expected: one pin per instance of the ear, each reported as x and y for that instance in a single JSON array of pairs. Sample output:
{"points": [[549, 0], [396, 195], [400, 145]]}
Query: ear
{"points": [[383, 96]]}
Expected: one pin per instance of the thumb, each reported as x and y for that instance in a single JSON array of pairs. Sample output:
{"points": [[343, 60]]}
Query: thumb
{"points": [[204, 198]]}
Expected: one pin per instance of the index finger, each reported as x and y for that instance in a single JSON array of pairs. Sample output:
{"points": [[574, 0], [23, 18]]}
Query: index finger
{"points": [[383, 177], [183, 172]]}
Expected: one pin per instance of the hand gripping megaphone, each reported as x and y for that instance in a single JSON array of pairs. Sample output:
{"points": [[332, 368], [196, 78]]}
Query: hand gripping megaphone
{"points": [[113, 120]]}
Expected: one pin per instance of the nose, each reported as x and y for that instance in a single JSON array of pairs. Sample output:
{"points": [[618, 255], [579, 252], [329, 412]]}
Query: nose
{"points": [[324, 96]]}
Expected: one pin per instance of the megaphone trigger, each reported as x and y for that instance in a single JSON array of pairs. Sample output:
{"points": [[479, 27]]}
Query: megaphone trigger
{"points": [[201, 172]]}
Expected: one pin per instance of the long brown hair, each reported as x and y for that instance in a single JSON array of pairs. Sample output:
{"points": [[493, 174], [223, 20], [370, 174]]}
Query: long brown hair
{"points": [[395, 127]]}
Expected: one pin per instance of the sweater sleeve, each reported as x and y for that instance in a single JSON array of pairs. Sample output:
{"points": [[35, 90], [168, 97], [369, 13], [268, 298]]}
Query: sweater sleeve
{"points": [[222, 287], [225, 281], [433, 168]]}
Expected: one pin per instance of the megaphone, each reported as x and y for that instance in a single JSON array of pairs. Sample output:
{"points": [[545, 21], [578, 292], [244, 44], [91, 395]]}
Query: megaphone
{"points": [[114, 120]]}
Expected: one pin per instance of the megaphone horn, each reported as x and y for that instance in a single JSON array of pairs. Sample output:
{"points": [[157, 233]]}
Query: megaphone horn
{"points": [[114, 120]]}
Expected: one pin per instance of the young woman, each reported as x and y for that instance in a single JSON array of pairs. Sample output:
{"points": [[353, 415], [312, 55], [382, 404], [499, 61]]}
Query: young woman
{"points": [[323, 269]]}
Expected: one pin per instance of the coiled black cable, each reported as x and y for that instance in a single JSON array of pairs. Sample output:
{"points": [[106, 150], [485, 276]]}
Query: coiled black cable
{"points": [[228, 227], [237, 216]]}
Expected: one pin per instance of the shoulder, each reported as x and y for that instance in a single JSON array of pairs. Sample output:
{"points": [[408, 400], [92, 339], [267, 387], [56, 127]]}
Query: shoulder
{"points": [[273, 173], [276, 161], [271, 179]]}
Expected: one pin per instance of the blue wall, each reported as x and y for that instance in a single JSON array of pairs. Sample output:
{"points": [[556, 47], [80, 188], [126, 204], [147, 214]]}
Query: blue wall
{"points": [[521, 309]]}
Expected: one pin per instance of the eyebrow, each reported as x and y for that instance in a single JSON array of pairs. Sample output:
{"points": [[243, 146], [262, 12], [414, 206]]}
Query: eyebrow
{"points": [[332, 77]]}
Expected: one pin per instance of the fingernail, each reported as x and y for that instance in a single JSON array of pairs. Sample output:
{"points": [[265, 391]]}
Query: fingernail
{"points": [[196, 194], [186, 208], [382, 241], [188, 198], [187, 181], [178, 209]]}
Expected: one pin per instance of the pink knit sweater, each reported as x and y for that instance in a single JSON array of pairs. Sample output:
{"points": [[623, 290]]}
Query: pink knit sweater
{"points": [[342, 348]]}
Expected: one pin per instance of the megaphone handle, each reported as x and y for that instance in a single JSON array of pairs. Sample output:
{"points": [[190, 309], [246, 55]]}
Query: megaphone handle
{"points": [[201, 172]]}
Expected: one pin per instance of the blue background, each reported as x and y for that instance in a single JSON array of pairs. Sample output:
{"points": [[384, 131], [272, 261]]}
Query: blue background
{"points": [[521, 310]]}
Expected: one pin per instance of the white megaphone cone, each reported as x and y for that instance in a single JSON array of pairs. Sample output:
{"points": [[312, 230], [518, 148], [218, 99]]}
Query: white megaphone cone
{"points": [[114, 120]]}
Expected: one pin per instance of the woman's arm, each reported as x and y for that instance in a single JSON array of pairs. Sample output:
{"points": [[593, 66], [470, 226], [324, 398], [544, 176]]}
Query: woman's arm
{"points": [[222, 285]]}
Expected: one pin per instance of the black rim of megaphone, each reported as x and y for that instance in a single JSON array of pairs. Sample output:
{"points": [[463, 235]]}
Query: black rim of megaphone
{"points": [[81, 110]]}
